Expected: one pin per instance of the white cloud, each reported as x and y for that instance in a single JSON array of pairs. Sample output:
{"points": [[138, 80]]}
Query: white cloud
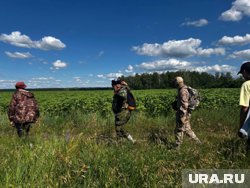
{"points": [[175, 65], [110, 76], [100, 76], [7, 83], [44, 82], [19, 40], [164, 65], [18, 55], [58, 64], [178, 49], [129, 69], [114, 75], [196, 23], [236, 40], [49, 43], [215, 68], [207, 52], [239, 9], [77, 79], [242, 54]]}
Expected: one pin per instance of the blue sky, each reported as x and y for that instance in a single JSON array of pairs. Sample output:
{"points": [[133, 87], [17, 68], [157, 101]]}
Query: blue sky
{"points": [[76, 43]]}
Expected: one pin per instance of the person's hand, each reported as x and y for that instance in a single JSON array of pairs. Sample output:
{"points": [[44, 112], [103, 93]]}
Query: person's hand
{"points": [[124, 83]]}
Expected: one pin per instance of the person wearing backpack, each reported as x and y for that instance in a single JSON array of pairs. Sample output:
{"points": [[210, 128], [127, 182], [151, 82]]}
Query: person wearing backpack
{"points": [[183, 113], [121, 108], [23, 109]]}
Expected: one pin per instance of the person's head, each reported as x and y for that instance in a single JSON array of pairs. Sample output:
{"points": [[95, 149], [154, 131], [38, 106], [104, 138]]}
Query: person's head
{"points": [[20, 85], [116, 84], [245, 70], [178, 81]]}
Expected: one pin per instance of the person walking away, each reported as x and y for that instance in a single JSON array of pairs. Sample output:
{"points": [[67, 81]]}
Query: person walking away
{"points": [[183, 114], [244, 125], [120, 109], [23, 109]]}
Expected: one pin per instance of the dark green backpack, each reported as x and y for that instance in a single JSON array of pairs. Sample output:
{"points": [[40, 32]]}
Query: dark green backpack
{"points": [[131, 100]]}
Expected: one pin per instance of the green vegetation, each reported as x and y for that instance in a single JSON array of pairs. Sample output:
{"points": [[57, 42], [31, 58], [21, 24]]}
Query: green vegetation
{"points": [[74, 145], [192, 78]]}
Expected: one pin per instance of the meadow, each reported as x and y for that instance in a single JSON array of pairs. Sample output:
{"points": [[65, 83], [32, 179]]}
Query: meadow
{"points": [[73, 144]]}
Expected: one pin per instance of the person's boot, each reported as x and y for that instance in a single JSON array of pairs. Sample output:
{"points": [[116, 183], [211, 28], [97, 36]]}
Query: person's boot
{"points": [[176, 147], [131, 139], [20, 132]]}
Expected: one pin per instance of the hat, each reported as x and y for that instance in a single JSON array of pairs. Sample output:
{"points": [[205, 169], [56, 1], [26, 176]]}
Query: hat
{"points": [[114, 82], [245, 66], [179, 79], [20, 85]]}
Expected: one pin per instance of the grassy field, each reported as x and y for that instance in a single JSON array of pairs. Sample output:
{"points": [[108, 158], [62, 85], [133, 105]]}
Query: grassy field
{"points": [[79, 149]]}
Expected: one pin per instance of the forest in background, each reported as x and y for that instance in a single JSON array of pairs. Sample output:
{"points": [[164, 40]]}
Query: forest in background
{"points": [[192, 78]]}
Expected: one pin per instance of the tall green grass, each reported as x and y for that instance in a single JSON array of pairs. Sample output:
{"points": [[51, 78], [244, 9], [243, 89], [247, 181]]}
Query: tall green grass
{"points": [[80, 150]]}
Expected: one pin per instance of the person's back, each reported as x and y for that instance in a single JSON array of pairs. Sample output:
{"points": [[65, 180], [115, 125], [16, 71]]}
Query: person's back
{"points": [[23, 109]]}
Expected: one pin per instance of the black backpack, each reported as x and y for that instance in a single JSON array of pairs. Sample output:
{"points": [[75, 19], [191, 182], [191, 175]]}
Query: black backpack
{"points": [[131, 100]]}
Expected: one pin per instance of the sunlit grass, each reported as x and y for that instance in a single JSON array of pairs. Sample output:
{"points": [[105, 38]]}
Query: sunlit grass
{"points": [[80, 150]]}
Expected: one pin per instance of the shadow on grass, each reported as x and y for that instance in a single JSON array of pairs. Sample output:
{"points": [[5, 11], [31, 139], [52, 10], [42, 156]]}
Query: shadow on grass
{"points": [[106, 138], [233, 149], [159, 136]]}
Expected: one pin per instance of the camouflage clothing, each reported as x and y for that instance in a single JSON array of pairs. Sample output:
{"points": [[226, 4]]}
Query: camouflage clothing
{"points": [[23, 107], [183, 116], [120, 100], [122, 114]]}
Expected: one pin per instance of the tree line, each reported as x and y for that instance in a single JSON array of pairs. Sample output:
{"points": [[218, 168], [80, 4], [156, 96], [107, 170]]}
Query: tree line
{"points": [[191, 78]]}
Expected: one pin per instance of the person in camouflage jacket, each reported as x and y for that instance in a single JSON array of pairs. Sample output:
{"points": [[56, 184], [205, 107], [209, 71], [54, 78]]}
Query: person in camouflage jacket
{"points": [[183, 115], [120, 109], [23, 109]]}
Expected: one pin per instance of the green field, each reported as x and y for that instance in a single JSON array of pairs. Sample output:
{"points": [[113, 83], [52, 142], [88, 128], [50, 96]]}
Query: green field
{"points": [[73, 144]]}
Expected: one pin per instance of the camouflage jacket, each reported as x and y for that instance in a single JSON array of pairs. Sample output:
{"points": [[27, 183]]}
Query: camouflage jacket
{"points": [[182, 100], [23, 107], [120, 100]]}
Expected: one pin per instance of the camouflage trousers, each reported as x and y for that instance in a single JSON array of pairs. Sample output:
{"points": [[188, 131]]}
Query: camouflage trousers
{"points": [[183, 127], [20, 127], [121, 119]]}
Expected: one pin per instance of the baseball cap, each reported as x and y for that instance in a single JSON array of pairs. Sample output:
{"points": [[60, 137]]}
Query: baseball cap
{"points": [[20, 85], [179, 79], [245, 66], [114, 82]]}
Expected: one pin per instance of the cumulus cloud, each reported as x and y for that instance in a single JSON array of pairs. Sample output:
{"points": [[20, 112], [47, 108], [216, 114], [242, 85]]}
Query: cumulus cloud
{"points": [[196, 23], [58, 64], [110, 76], [175, 65], [215, 68], [18, 55], [239, 9], [19, 40], [177, 49], [245, 54], [236, 40], [129, 69], [164, 65]]}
